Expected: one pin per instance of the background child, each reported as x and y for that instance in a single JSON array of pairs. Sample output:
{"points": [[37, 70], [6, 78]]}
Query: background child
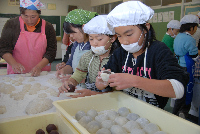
{"points": [[172, 30], [149, 70], [186, 51], [102, 41]]}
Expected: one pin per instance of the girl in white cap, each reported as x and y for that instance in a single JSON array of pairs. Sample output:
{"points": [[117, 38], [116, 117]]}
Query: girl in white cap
{"points": [[172, 30], [103, 42], [28, 43], [144, 69], [186, 51]]}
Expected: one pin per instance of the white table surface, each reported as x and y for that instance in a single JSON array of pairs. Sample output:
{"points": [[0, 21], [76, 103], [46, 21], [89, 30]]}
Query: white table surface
{"points": [[17, 108]]}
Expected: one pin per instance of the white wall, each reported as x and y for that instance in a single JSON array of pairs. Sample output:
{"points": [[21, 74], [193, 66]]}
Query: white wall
{"points": [[61, 7]]}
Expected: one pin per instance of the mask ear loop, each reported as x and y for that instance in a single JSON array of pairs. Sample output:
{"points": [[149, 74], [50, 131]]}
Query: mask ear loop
{"points": [[110, 45]]}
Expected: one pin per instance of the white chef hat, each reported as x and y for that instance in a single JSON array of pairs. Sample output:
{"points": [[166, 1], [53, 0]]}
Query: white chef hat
{"points": [[130, 13], [189, 19], [174, 24], [98, 25], [198, 14]]}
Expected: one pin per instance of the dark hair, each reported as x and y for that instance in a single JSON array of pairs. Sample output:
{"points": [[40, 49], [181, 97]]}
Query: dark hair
{"points": [[115, 44], [67, 27], [22, 10], [187, 26], [169, 28], [149, 38]]}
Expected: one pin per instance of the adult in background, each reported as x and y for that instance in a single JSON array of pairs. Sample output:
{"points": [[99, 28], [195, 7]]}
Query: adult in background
{"points": [[28, 43]]}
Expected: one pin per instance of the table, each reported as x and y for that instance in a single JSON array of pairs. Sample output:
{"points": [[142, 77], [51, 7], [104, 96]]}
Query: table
{"points": [[16, 108]]}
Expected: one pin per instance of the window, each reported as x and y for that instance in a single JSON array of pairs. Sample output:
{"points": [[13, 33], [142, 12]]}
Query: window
{"points": [[106, 8]]}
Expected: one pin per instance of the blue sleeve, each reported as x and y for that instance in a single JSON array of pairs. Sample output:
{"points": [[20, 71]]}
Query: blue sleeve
{"points": [[87, 46], [69, 62], [190, 45]]}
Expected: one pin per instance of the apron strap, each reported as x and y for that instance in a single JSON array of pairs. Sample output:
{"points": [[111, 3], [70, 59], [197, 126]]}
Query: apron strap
{"points": [[43, 27], [21, 24]]}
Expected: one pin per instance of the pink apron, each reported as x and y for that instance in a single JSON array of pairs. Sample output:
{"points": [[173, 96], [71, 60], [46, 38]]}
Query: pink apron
{"points": [[29, 49]]}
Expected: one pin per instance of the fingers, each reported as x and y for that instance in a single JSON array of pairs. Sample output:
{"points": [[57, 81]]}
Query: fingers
{"points": [[18, 68], [64, 87], [60, 66]]}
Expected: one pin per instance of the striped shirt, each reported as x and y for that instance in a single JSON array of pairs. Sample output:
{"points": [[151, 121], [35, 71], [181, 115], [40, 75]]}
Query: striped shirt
{"points": [[94, 67]]}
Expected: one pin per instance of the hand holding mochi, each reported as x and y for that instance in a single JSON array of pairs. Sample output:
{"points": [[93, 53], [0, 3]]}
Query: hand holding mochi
{"points": [[105, 75]]}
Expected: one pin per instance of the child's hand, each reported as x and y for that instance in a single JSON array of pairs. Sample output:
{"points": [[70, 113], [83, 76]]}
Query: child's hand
{"points": [[100, 84], [65, 87], [60, 65]]}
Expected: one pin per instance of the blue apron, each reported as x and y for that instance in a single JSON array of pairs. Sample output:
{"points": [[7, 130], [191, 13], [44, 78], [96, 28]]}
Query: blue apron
{"points": [[190, 64]]}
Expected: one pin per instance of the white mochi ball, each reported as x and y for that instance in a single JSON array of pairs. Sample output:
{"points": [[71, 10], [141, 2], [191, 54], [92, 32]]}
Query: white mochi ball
{"points": [[102, 117], [142, 122], [103, 131], [93, 113], [121, 120], [112, 114], [131, 125], [79, 115], [117, 129], [151, 128], [107, 124], [85, 120], [123, 111], [132, 116], [93, 126], [137, 131]]}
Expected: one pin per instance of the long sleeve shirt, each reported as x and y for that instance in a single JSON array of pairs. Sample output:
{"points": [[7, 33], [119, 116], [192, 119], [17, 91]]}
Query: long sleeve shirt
{"points": [[11, 32]]}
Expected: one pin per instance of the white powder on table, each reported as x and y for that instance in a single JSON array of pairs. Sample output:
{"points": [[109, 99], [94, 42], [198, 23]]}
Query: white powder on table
{"points": [[16, 108]]}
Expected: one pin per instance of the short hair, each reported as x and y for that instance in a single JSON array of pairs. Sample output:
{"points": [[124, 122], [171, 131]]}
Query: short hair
{"points": [[187, 26], [22, 10]]}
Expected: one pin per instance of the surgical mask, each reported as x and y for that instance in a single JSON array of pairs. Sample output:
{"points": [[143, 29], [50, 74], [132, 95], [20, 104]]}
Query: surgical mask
{"points": [[134, 47], [174, 36], [99, 50]]}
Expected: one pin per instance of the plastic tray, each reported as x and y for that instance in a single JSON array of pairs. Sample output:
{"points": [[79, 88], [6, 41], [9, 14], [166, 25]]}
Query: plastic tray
{"points": [[30, 124], [166, 121]]}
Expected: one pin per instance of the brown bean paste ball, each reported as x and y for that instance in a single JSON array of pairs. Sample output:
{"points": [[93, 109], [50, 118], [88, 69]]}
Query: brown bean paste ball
{"points": [[72, 88], [54, 132], [40, 131], [51, 127]]}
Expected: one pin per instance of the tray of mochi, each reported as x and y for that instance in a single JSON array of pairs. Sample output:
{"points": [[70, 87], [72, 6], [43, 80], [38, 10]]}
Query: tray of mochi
{"points": [[21, 94], [119, 113]]}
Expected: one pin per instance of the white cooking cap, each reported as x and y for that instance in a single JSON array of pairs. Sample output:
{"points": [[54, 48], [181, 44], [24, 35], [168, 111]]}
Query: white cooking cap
{"points": [[130, 13], [198, 14], [174, 24], [189, 19], [98, 25]]}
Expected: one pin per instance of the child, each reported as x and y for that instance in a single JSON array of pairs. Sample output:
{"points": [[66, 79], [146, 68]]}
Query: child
{"points": [[172, 30], [142, 68], [73, 26], [186, 51], [102, 41]]}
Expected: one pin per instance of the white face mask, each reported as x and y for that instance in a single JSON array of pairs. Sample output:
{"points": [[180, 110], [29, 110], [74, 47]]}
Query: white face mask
{"points": [[174, 36], [134, 47], [99, 50]]}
